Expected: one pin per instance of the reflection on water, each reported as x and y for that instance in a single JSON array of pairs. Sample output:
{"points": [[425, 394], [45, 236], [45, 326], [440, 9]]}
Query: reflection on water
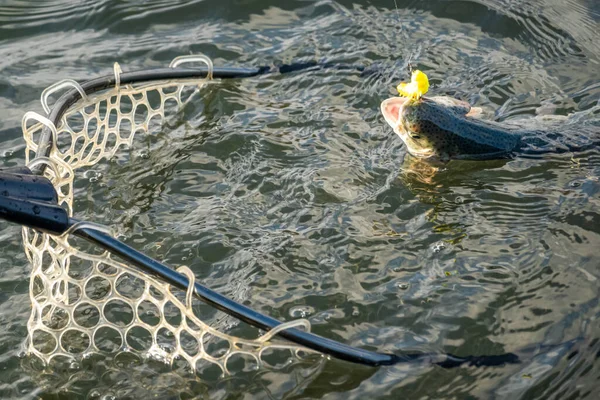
{"points": [[290, 193]]}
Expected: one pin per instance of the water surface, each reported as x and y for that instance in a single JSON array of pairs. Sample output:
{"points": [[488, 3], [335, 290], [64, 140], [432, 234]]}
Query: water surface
{"points": [[290, 193]]}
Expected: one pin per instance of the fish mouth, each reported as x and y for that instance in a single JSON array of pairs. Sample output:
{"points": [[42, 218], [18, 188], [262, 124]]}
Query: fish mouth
{"points": [[392, 109]]}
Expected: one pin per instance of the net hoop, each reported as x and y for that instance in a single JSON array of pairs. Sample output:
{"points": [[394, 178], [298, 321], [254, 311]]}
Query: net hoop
{"points": [[57, 293]]}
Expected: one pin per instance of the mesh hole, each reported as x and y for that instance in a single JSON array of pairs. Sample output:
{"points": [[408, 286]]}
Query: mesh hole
{"points": [[100, 134], [107, 269], [129, 286], [48, 263], [155, 123], [74, 341], [55, 317], [125, 130], [171, 106], [101, 110], [156, 293], [170, 89], [90, 109], [111, 143], [87, 150], [241, 362], [154, 99], [30, 154], [118, 312], [275, 358], [97, 288], [108, 339], [38, 286], [78, 145], [125, 105], [148, 313], [75, 121], [43, 341], [140, 115], [192, 325], [214, 345], [139, 338], [59, 291], [95, 156], [65, 141], [80, 268], [166, 340], [92, 128], [74, 294], [189, 343], [113, 118], [207, 371], [86, 315], [172, 314]]}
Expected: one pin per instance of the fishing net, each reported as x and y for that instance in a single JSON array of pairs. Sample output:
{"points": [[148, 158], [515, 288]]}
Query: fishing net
{"points": [[83, 300]]}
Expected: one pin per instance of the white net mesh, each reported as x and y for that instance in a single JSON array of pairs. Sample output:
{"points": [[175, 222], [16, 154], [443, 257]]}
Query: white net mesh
{"points": [[85, 302]]}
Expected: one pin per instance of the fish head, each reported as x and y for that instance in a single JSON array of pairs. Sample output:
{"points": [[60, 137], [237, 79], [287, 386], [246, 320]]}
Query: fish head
{"points": [[425, 125]]}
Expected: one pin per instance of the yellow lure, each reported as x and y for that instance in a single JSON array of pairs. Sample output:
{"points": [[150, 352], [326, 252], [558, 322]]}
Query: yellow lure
{"points": [[418, 86]]}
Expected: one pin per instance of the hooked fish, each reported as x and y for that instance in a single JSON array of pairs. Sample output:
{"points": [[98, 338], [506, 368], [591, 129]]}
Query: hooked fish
{"points": [[444, 128]]}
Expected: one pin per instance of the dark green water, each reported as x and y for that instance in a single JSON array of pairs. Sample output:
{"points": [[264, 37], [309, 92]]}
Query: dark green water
{"points": [[290, 193]]}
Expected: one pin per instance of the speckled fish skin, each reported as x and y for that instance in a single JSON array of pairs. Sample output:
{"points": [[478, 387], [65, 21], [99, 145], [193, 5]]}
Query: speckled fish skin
{"points": [[440, 128]]}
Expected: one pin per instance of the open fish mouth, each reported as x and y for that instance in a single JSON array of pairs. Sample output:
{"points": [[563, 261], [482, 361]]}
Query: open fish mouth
{"points": [[391, 110]]}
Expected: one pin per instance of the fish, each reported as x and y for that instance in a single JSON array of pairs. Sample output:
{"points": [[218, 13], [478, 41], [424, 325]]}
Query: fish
{"points": [[443, 128]]}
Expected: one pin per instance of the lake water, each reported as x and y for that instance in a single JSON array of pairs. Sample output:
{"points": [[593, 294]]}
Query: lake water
{"points": [[292, 195]]}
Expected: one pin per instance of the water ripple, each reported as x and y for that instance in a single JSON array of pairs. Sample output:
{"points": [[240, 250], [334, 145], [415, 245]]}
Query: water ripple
{"points": [[290, 194]]}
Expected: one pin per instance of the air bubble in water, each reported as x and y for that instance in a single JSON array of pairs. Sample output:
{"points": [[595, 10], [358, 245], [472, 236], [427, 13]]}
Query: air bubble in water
{"points": [[74, 366], [301, 311], [438, 247], [92, 176]]}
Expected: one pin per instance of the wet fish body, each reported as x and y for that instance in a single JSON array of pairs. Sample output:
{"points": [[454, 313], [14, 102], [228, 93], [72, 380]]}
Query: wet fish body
{"points": [[443, 128]]}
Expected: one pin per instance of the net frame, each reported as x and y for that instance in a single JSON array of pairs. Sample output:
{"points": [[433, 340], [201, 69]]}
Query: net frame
{"points": [[55, 328]]}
